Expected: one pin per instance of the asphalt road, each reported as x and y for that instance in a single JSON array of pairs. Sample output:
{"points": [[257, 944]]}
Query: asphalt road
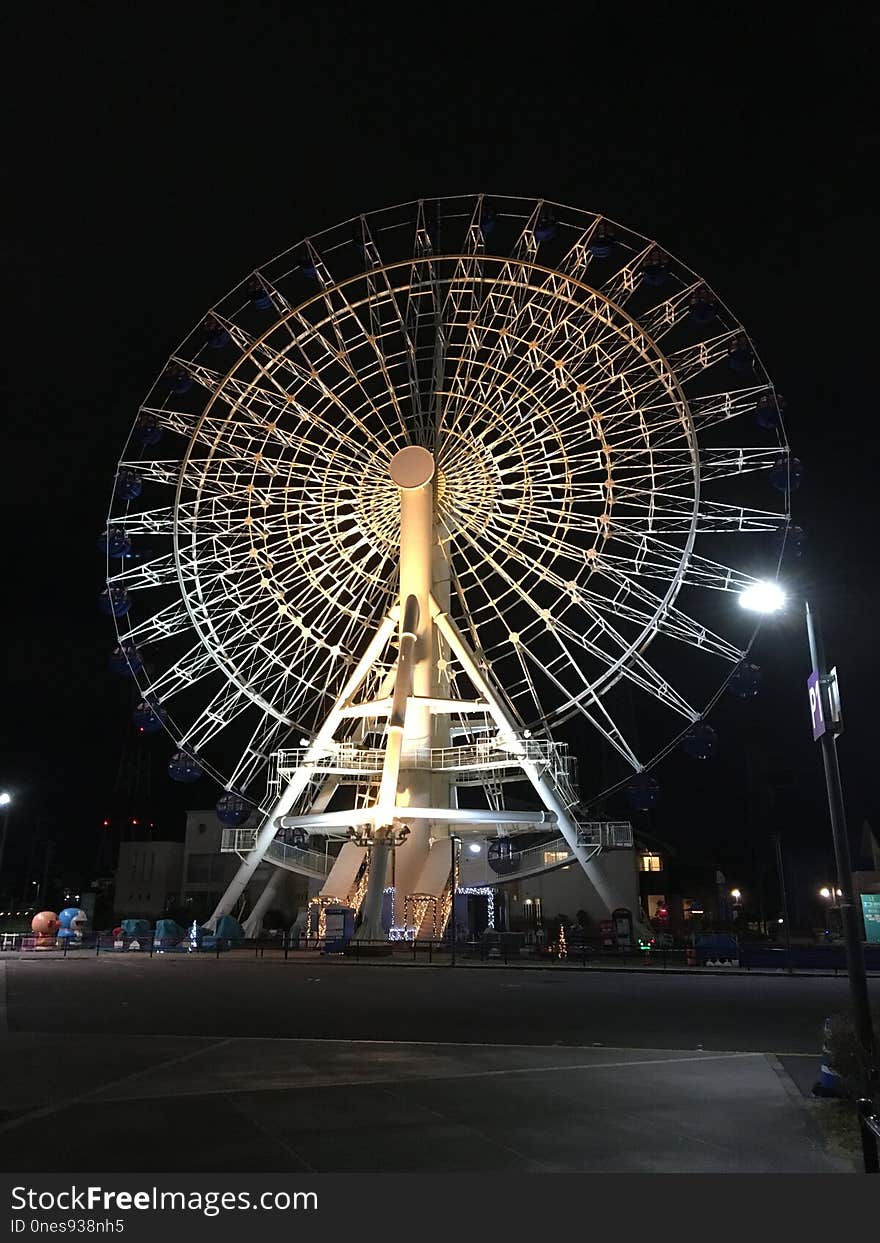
{"points": [[318, 1066], [333, 1000]]}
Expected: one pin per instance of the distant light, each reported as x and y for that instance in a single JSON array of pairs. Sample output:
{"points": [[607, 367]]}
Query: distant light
{"points": [[763, 596], [780, 921], [474, 848], [735, 894], [5, 798], [134, 821], [825, 892]]}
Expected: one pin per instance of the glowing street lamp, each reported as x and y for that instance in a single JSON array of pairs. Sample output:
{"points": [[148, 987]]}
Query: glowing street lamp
{"points": [[764, 596], [5, 801]]}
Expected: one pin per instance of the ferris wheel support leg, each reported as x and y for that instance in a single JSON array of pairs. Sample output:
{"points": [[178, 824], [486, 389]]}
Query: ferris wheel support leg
{"points": [[304, 774], [507, 725], [271, 891], [370, 927]]}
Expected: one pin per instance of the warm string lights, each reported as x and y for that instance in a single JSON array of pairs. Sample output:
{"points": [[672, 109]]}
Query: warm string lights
{"points": [[483, 891], [318, 915]]}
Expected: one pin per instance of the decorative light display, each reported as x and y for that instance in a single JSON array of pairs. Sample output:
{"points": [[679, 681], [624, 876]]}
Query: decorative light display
{"points": [[484, 891]]}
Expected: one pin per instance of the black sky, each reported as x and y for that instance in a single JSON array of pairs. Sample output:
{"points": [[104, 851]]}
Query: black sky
{"points": [[159, 153]]}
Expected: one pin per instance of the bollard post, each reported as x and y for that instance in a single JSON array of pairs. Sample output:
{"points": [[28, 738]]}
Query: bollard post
{"points": [[97, 945]]}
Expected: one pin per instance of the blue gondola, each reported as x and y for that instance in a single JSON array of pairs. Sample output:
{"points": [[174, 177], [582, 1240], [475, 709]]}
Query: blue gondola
{"points": [[307, 265], [786, 474], [488, 219], [149, 718], [232, 809], [501, 855], [129, 485], [642, 792], [700, 741], [147, 430], [545, 229], [792, 543], [259, 294], [602, 242], [184, 768], [702, 306], [216, 335], [180, 380], [768, 409], [126, 660], [114, 542], [114, 601], [656, 267], [740, 355], [745, 681]]}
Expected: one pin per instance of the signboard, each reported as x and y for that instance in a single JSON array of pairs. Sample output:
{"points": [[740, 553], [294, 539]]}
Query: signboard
{"points": [[871, 916], [817, 715]]}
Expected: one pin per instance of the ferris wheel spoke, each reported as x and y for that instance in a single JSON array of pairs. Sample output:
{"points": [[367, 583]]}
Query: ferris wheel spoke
{"points": [[671, 468], [661, 319], [624, 660], [504, 301], [191, 668], [647, 608], [256, 754], [591, 708], [173, 620], [382, 297], [653, 558], [621, 286]]}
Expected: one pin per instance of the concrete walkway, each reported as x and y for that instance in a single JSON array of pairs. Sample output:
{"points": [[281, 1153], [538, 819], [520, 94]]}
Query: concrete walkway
{"points": [[150, 1103]]}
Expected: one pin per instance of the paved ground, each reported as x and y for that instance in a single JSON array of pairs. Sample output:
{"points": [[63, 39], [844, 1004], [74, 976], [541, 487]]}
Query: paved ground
{"points": [[269, 1066]]}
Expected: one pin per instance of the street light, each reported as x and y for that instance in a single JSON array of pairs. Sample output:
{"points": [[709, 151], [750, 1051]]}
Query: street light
{"points": [[735, 894], [768, 597], [5, 801]]}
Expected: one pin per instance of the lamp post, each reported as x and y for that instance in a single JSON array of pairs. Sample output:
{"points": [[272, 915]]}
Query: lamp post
{"points": [[768, 597], [5, 801], [829, 894], [453, 842]]}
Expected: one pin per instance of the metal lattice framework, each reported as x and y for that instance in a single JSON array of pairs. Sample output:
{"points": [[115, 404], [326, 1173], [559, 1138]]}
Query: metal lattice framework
{"points": [[594, 464]]}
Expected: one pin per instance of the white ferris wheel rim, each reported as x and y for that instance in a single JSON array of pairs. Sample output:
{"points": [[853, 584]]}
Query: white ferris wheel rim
{"points": [[672, 561]]}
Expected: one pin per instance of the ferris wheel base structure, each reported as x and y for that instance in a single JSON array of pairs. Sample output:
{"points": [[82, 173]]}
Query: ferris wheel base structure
{"points": [[404, 833]]}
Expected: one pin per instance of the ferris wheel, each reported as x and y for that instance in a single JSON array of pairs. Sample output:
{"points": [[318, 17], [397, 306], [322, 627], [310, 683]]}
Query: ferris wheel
{"points": [[605, 463]]}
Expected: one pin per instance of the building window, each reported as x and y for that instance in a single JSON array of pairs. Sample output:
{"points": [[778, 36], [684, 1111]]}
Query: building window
{"points": [[556, 856], [655, 902], [200, 869], [650, 862]]}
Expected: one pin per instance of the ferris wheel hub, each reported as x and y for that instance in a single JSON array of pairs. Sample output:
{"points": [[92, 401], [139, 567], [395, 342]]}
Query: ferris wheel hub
{"points": [[412, 467]]}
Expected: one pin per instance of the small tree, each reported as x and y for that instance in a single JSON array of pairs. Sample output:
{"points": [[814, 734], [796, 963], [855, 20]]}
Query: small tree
{"points": [[845, 1052]]}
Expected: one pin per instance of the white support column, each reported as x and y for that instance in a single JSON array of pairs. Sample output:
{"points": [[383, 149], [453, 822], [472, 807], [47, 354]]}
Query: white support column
{"points": [[271, 890], [304, 774], [507, 725], [412, 470]]}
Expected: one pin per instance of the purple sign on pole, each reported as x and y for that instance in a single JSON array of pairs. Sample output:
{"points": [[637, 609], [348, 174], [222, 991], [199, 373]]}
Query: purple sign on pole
{"points": [[817, 716]]}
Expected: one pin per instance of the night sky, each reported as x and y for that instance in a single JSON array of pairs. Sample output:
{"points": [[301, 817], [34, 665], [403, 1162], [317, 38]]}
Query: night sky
{"points": [[175, 149]]}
